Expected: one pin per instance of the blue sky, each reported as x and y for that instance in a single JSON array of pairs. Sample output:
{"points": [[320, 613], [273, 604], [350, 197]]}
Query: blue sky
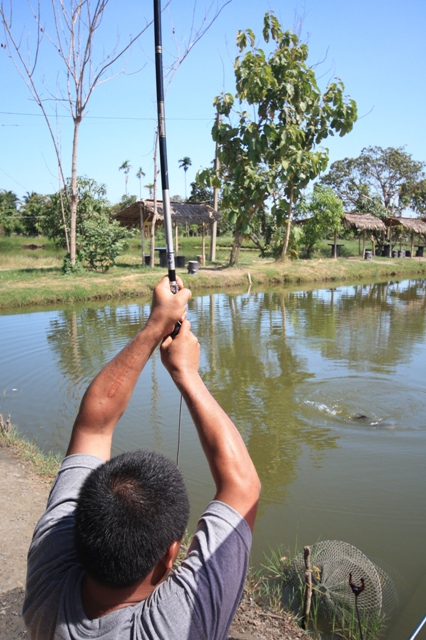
{"points": [[376, 48]]}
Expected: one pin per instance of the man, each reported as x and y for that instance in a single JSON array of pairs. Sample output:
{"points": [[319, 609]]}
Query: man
{"points": [[100, 562]]}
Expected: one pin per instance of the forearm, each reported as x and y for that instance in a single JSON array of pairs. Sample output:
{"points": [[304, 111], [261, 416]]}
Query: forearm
{"points": [[108, 395], [233, 471]]}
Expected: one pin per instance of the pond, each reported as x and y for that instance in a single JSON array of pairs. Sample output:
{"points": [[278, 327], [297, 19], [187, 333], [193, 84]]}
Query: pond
{"points": [[326, 386]]}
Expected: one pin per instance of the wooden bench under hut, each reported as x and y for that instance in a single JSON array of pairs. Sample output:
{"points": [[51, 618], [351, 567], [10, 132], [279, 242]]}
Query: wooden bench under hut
{"points": [[142, 214], [364, 222]]}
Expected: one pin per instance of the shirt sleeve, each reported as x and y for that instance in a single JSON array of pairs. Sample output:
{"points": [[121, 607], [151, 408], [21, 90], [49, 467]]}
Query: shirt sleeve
{"points": [[209, 583], [51, 552]]}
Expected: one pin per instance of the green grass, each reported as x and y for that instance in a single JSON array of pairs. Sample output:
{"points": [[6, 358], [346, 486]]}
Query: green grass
{"points": [[45, 465], [34, 277]]}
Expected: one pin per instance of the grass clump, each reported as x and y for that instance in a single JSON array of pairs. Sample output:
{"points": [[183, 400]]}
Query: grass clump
{"points": [[45, 465]]}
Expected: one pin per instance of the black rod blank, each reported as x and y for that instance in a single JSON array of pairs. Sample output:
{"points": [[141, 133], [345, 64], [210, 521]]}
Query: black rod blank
{"points": [[162, 146]]}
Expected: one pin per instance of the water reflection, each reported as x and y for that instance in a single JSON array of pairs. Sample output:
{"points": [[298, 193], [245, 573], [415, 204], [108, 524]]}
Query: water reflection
{"points": [[369, 327]]}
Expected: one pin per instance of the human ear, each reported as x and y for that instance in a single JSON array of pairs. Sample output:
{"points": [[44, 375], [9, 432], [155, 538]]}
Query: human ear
{"points": [[171, 554]]}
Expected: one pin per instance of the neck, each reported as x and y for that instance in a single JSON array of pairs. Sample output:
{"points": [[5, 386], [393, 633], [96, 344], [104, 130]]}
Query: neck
{"points": [[98, 599]]}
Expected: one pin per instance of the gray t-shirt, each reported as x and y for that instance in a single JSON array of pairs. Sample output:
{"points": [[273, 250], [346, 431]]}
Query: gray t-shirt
{"points": [[197, 602]]}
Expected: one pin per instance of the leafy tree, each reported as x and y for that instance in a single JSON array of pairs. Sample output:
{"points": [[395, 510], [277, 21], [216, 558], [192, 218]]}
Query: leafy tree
{"points": [[275, 155], [326, 213], [32, 212], [413, 194], [102, 240], [200, 193], [10, 220], [99, 239], [385, 177], [185, 163], [123, 203]]}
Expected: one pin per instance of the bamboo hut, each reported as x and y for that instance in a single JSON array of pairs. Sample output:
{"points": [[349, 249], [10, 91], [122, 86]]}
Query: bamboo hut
{"points": [[411, 225], [142, 214], [364, 222]]}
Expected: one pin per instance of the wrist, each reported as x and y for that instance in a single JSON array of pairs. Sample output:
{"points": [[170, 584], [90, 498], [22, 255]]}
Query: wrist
{"points": [[186, 381], [153, 331]]}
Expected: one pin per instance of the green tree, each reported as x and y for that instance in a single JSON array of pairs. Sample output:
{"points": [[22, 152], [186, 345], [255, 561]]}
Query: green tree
{"points": [[269, 159], [185, 163], [10, 219], [326, 214], [32, 212], [200, 193], [385, 177], [99, 239]]}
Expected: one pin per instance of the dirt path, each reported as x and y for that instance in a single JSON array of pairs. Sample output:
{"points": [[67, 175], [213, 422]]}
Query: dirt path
{"points": [[23, 497]]}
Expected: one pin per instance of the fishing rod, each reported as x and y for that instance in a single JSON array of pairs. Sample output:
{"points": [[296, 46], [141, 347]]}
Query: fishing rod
{"points": [[163, 153], [165, 177]]}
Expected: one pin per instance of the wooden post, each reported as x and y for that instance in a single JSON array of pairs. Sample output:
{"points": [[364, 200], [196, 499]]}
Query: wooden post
{"points": [[203, 251], [363, 244], [308, 587], [335, 242], [142, 233], [412, 244]]}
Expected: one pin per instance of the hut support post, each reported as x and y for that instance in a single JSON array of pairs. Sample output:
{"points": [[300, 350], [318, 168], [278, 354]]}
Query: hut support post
{"points": [[363, 243], [203, 251], [335, 243], [412, 244], [142, 234], [359, 245]]}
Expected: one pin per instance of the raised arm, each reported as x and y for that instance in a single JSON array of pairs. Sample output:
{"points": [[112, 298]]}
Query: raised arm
{"points": [[235, 476], [108, 395]]}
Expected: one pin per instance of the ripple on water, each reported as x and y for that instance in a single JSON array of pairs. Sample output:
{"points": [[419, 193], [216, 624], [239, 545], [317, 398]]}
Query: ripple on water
{"points": [[363, 402]]}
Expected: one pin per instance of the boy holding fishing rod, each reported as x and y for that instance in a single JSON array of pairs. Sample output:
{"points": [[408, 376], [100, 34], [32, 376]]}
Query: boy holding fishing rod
{"points": [[100, 562]]}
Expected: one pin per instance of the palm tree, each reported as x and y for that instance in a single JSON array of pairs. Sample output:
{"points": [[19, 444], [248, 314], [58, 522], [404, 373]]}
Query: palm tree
{"points": [[185, 162], [126, 166], [150, 187], [139, 175]]}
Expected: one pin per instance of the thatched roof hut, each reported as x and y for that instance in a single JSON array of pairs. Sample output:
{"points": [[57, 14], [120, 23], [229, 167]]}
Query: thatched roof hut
{"points": [[182, 212], [141, 214], [414, 225], [363, 222]]}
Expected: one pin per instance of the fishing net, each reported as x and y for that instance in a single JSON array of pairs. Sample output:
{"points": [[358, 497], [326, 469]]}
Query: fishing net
{"points": [[332, 561]]}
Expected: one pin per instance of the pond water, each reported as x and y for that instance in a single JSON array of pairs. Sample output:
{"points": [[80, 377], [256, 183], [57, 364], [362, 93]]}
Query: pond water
{"points": [[327, 388]]}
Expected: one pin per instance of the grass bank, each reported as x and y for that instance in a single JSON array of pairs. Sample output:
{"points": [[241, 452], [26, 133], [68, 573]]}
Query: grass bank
{"points": [[45, 465], [32, 276]]}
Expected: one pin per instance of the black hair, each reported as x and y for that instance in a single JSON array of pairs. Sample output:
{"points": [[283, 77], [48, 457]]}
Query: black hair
{"points": [[129, 511]]}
